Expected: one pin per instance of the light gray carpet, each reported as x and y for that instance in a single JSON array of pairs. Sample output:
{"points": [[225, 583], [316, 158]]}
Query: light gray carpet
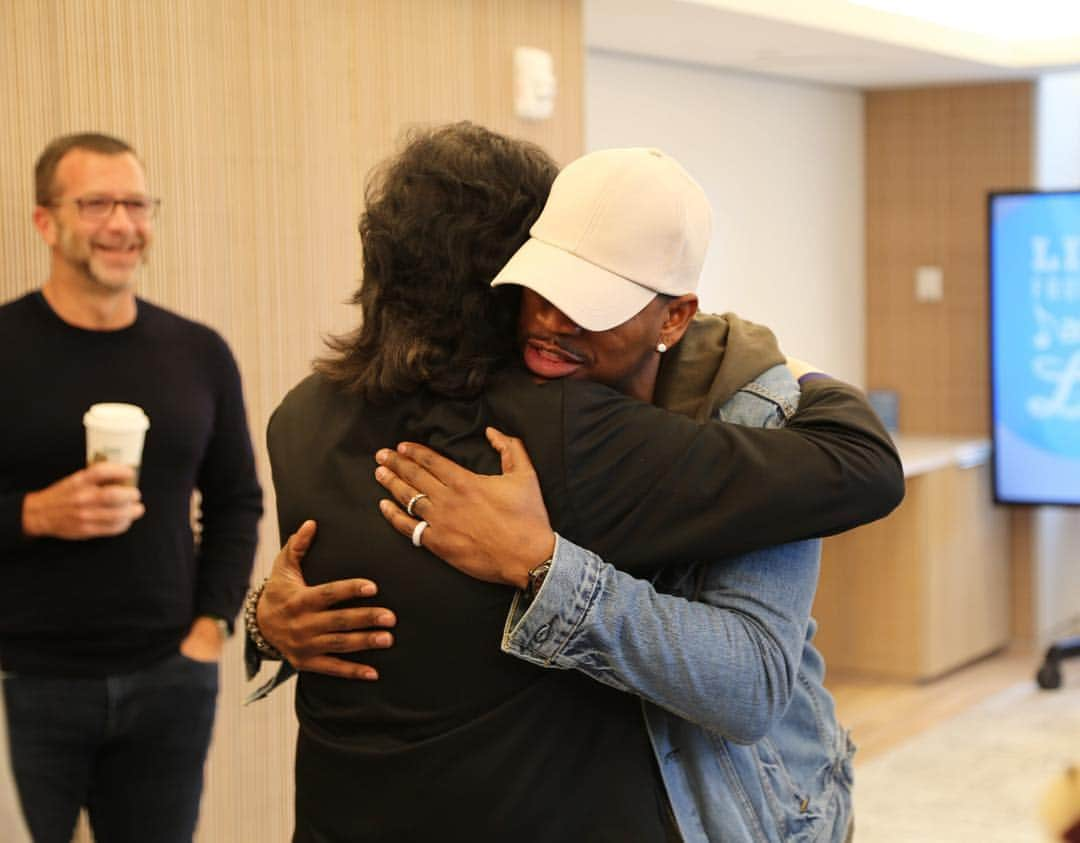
{"points": [[978, 777]]}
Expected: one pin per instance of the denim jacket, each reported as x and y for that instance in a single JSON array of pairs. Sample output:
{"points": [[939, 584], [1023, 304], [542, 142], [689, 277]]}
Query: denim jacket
{"points": [[744, 732]]}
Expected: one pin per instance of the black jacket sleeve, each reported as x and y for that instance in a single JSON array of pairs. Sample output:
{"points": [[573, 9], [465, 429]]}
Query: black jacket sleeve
{"points": [[644, 487]]}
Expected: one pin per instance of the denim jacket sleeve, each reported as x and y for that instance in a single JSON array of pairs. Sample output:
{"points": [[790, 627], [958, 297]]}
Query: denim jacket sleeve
{"points": [[725, 660]]}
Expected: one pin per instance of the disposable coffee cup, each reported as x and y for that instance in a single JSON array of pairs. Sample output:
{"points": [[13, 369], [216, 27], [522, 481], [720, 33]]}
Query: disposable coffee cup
{"points": [[115, 433]]}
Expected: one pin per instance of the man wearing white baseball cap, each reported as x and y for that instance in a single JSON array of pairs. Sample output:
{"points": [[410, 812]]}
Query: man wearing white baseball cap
{"points": [[619, 227], [721, 652]]}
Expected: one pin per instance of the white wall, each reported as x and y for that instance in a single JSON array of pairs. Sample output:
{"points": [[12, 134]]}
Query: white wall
{"points": [[782, 163], [1057, 131], [1056, 530]]}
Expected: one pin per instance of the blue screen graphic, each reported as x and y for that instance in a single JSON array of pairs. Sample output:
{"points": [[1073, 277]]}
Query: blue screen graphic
{"points": [[1035, 346]]}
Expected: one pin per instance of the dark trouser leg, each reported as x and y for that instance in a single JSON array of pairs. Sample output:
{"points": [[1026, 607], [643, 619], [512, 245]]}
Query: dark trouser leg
{"points": [[147, 781], [55, 727]]}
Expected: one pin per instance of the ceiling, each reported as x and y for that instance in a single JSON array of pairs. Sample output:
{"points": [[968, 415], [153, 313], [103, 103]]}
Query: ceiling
{"points": [[823, 41]]}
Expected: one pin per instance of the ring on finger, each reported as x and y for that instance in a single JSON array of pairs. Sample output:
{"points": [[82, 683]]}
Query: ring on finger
{"points": [[413, 501], [418, 532]]}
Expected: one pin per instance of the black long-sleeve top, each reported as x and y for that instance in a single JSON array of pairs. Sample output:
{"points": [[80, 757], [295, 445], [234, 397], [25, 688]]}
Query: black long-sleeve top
{"points": [[111, 605], [455, 734]]}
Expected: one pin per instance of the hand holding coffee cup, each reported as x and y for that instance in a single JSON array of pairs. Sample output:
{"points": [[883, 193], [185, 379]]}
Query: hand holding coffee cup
{"points": [[102, 499], [115, 433]]}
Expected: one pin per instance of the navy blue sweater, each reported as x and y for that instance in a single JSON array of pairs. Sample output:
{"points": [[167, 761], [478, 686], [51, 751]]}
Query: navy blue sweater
{"points": [[111, 605]]}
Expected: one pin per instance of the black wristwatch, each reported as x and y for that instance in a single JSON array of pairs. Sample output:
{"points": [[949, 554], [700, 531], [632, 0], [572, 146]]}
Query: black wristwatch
{"points": [[537, 576]]}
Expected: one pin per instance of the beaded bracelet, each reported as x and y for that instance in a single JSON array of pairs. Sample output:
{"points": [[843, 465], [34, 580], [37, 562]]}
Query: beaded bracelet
{"points": [[251, 623]]}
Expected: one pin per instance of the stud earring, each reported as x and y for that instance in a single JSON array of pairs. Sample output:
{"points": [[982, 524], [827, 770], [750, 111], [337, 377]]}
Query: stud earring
{"points": [[661, 347]]}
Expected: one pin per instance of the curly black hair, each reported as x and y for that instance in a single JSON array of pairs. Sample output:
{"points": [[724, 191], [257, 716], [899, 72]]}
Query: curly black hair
{"points": [[441, 219]]}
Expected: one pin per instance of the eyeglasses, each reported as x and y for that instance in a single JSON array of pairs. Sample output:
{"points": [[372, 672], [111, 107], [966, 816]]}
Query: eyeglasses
{"points": [[100, 208]]}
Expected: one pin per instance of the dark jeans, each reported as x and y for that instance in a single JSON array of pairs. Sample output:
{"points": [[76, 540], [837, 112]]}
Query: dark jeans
{"points": [[130, 748]]}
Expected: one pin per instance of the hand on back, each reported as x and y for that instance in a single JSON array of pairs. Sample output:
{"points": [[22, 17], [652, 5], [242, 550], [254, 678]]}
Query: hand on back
{"points": [[304, 624], [493, 528]]}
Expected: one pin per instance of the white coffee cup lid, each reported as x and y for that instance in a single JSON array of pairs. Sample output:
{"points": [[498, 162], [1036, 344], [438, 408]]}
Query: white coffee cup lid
{"points": [[121, 418]]}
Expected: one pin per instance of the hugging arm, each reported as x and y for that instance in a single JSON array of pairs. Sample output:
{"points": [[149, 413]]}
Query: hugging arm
{"points": [[306, 626], [647, 488], [676, 490], [725, 660], [752, 491]]}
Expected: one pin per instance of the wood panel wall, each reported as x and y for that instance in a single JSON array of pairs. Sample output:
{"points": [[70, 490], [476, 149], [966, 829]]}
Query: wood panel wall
{"points": [[257, 121], [931, 156]]}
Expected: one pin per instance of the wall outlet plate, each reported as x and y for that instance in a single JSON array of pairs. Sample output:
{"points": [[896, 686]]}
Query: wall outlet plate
{"points": [[929, 283]]}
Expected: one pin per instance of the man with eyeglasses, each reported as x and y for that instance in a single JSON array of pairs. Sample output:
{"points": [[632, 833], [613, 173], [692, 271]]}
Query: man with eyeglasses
{"points": [[112, 615]]}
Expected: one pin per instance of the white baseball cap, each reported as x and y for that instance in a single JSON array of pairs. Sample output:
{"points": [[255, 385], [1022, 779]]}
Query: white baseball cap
{"points": [[620, 226]]}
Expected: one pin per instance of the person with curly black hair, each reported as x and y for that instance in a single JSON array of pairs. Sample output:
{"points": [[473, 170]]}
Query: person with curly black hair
{"points": [[439, 216], [455, 740]]}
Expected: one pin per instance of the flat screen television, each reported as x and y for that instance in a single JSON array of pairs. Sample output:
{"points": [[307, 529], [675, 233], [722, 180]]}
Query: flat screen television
{"points": [[1035, 346]]}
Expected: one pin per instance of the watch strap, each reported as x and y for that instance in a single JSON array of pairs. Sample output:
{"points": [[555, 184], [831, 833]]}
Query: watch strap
{"points": [[537, 576]]}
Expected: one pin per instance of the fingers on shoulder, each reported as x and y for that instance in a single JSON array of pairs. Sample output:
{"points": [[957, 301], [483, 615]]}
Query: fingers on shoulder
{"points": [[422, 455], [500, 440], [397, 517], [426, 463], [404, 470], [511, 449]]}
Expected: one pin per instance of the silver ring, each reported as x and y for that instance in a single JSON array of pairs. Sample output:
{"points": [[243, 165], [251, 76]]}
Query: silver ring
{"points": [[413, 501], [417, 532]]}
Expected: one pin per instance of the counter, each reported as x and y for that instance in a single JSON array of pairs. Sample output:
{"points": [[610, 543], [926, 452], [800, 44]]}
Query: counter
{"points": [[922, 454], [926, 589]]}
